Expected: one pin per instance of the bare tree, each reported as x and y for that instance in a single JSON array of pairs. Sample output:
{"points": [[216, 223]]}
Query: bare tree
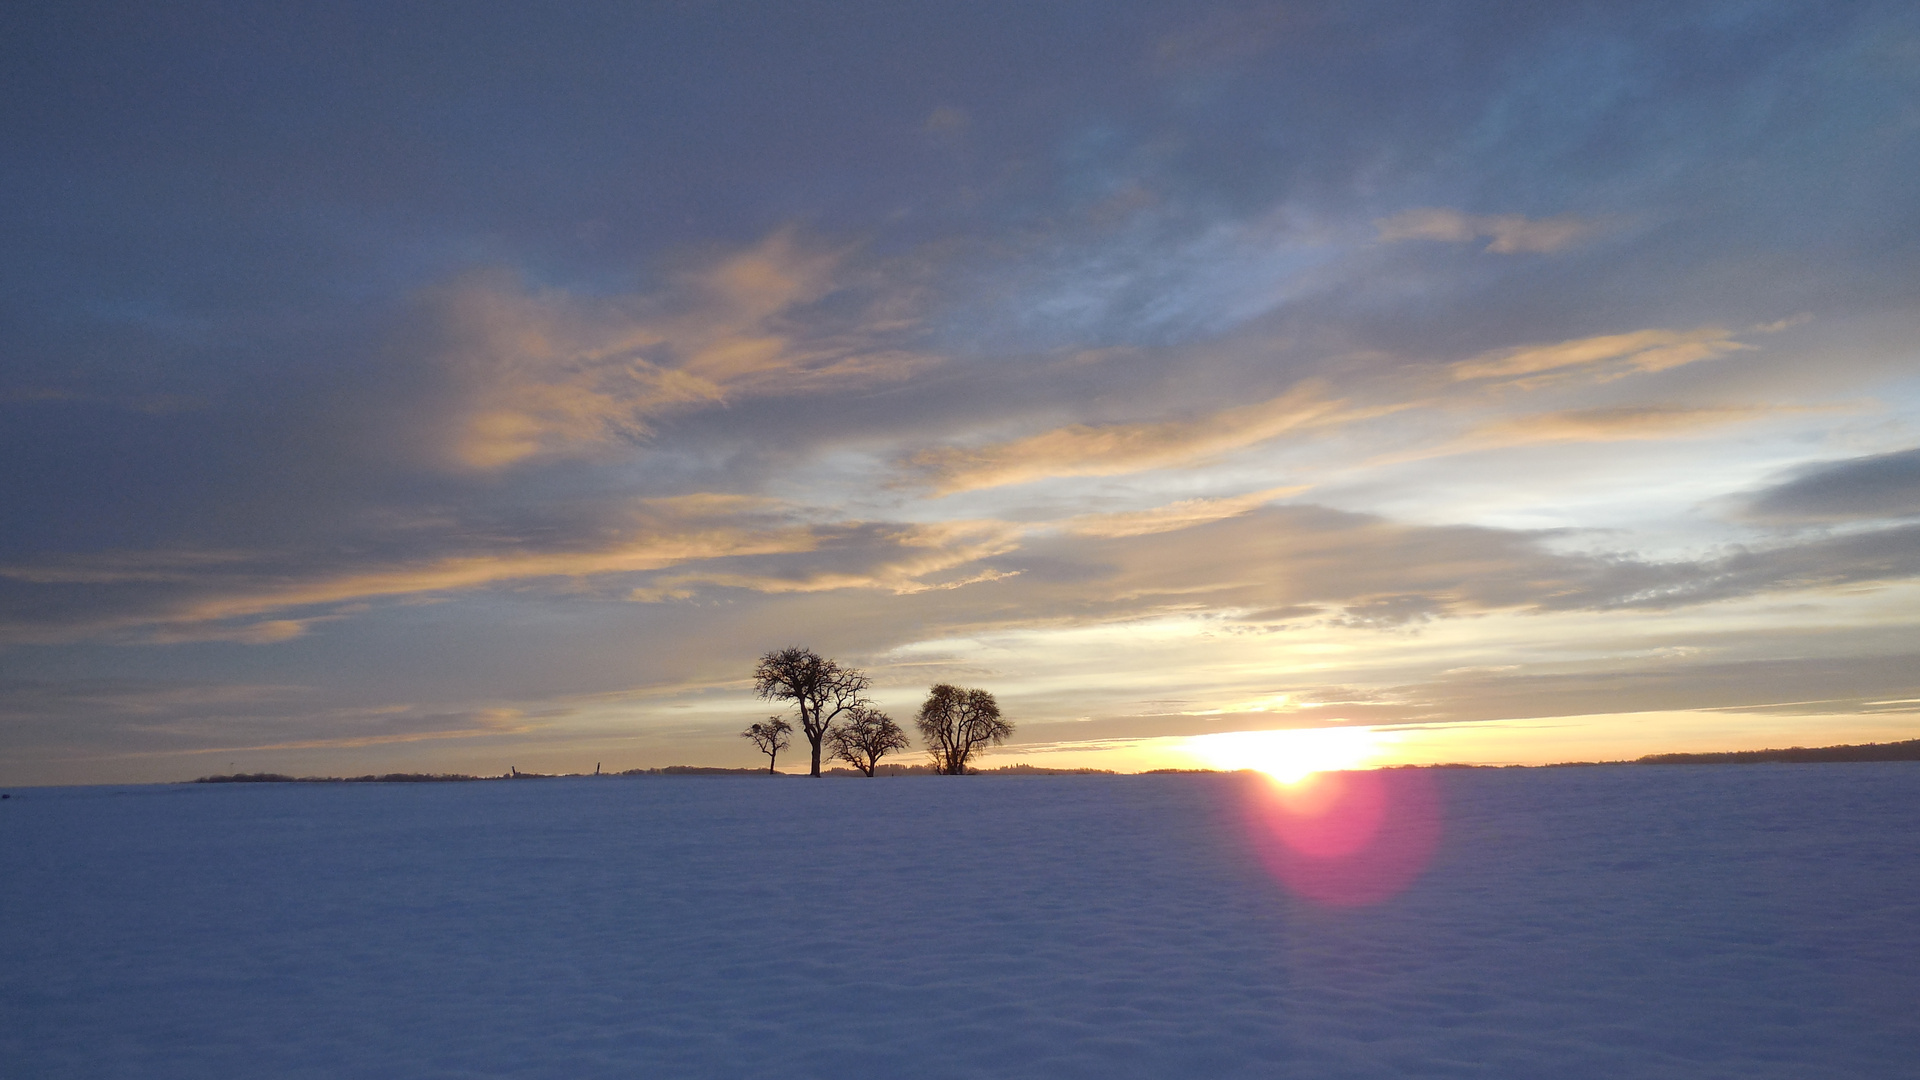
{"points": [[956, 722], [820, 688], [867, 736], [771, 737]]}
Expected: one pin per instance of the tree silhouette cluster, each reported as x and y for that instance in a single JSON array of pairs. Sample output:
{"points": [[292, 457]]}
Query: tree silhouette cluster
{"points": [[837, 717], [818, 687]]}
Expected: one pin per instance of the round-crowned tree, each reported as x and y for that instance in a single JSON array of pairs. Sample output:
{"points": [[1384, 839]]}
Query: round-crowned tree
{"points": [[955, 722]]}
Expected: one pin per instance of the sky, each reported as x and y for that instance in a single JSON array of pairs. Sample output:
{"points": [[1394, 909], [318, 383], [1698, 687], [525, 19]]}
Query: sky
{"points": [[454, 387]]}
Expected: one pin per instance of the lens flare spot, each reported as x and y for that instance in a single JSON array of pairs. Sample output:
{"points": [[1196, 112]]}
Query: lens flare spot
{"points": [[1327, 814], [1346, 839]]}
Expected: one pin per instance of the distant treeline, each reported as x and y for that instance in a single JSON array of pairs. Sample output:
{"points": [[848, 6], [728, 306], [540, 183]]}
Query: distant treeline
{"points": [[387, 778], [668, 770], [1896, 751], [694, 770]]}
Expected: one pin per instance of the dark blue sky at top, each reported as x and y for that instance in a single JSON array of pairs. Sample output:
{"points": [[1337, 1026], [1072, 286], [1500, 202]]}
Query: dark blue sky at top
{"points": [[182, 161], [217, 200]]}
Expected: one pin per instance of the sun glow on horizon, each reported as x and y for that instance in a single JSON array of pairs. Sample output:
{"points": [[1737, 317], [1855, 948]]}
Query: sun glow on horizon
{"points": [[1290, 754]]}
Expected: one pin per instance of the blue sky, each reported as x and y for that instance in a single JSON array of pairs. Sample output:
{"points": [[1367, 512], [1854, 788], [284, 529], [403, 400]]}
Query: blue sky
{"points": [[452, 387]]}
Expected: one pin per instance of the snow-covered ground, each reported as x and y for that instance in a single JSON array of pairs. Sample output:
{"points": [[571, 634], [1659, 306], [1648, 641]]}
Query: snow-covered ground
{"points": [[1628, 922]]}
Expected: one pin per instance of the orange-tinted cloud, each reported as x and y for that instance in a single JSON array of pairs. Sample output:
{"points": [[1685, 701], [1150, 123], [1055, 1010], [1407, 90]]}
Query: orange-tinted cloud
{"points": [[1184, 514], [898, 559], [1119, 449], [263, 632], [1618, 424], [1606, 357], [548, 373], [211, 592], [469, 572]]}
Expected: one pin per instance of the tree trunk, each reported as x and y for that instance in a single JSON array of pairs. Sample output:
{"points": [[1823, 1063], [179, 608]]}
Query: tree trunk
{"points": [[816, 758]]}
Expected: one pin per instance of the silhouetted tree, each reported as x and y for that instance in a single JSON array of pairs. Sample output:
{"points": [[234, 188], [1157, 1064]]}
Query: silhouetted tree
{"points": [[771, 737], [955, 722], [820, 688], [867, 736]]}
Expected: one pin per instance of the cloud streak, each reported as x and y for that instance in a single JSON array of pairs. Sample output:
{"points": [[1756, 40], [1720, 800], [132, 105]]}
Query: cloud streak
{"points": [[1121, 449], [1184, 514], [1603, 358], [186, 595], [1506, 234], [1623, 423]]}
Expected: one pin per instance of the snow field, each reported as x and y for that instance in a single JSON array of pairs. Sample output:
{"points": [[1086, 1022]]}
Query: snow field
{"points": [[1649, 922]]}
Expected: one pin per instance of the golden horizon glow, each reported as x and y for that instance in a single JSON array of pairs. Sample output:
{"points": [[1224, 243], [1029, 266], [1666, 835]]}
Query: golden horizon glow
{"points": [[1290, 755]]}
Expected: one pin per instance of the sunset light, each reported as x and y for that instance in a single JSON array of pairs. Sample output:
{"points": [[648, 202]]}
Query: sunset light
{"points": [[1291, 754]]}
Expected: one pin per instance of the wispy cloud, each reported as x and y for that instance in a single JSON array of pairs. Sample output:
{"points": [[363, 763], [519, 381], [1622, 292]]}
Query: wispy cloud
{"points": [[1334, 569], [1119, 449], [1625, 423], [182, 596], [1506, 234], [470, 572], [264, 632], [1172, 517], [1603, 358], [909, 559], [549, 373], [897, 559]]}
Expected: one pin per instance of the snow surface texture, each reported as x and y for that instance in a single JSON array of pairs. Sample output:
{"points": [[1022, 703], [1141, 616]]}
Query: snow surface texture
{"points": [[1751, 921]]}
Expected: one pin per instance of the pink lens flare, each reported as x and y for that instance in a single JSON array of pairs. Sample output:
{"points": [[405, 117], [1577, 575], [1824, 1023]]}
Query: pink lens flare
{"points": [[1346, 839]]}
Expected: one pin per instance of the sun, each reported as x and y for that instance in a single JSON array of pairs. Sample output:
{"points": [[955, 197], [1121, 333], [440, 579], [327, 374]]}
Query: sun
{"points": [[1289, 755]]}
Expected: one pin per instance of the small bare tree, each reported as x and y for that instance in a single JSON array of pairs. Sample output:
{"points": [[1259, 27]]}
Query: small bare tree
{"points": [[820, 688], [867, 736], [955, 722], [771, 737]]}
